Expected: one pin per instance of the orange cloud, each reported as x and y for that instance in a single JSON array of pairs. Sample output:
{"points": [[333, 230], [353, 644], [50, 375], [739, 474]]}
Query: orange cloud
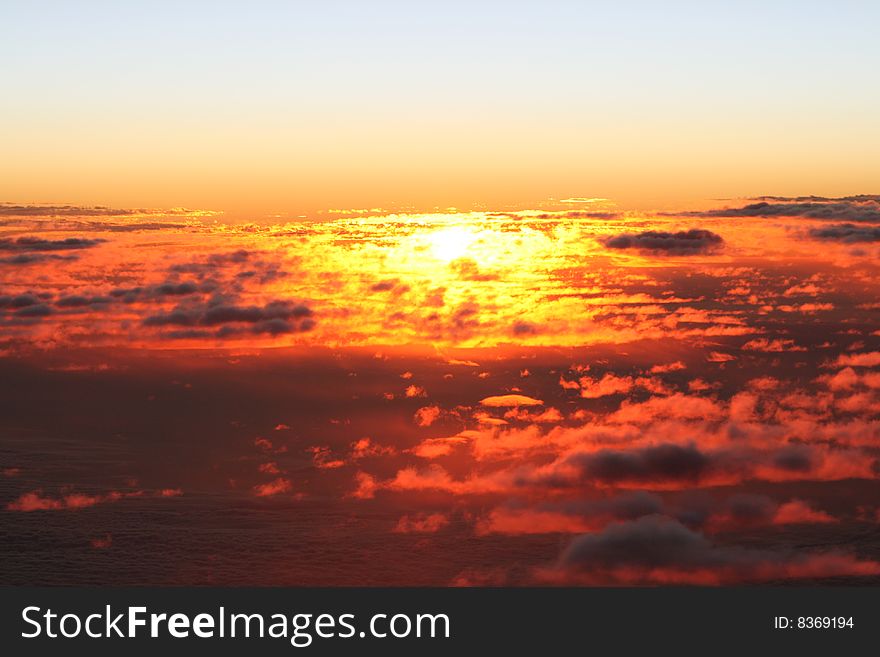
{"points": [[35, 501], [427, 415], [274, 487], [676, 406], [870, 359], [798, 511], [510, 400], [415, 391]]}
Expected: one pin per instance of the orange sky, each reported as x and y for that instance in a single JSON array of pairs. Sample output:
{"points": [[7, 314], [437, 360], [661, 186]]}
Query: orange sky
{"points": [[289, 111], [254, 171]]}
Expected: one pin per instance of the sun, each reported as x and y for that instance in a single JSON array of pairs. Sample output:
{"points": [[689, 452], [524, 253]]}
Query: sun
{"points": [[449, 244]]}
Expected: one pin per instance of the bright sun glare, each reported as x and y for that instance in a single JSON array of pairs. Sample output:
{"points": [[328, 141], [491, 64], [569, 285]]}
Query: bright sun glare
{"points": [[450, 243]]}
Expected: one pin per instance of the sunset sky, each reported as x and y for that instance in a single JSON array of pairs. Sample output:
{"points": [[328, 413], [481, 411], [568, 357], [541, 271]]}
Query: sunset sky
{"points": [[292, 108], [439, 294]]}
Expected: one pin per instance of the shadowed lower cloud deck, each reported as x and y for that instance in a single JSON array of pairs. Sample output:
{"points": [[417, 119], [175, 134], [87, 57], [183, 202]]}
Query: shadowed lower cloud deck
{"points": [[484, 398]]}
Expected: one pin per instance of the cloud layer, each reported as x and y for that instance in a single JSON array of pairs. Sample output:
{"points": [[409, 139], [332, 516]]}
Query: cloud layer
{"points": [[485, 398]]}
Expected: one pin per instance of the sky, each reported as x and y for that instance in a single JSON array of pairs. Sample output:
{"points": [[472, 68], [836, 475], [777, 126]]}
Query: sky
{"points": [[452, 294], [293, 109]]}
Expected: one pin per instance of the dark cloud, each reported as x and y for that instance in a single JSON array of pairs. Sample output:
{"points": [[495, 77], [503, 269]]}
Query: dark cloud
{"points": [[524, 328], [134, 226], [81, 301], [847, 233], [177, 317], [659, 549], [649, 542], [38, 310], [564, 214], [466, 315], [238, 256], [254, 314], [392, 284], [577, 214], [685, 242], [175, 289], [626, 506], [860, 209], [213, 262], [274, 318], [19, 301], [275, 326], [749, 508], [33, 258], [217, 272], [29, 244], [278, 326], [128, 295], [160, 292], [13, 210], [9, 210], [794, 459], [651, 464], [27, 307], [820, 199], [266, 273], [218, 264], [189, 334]]}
